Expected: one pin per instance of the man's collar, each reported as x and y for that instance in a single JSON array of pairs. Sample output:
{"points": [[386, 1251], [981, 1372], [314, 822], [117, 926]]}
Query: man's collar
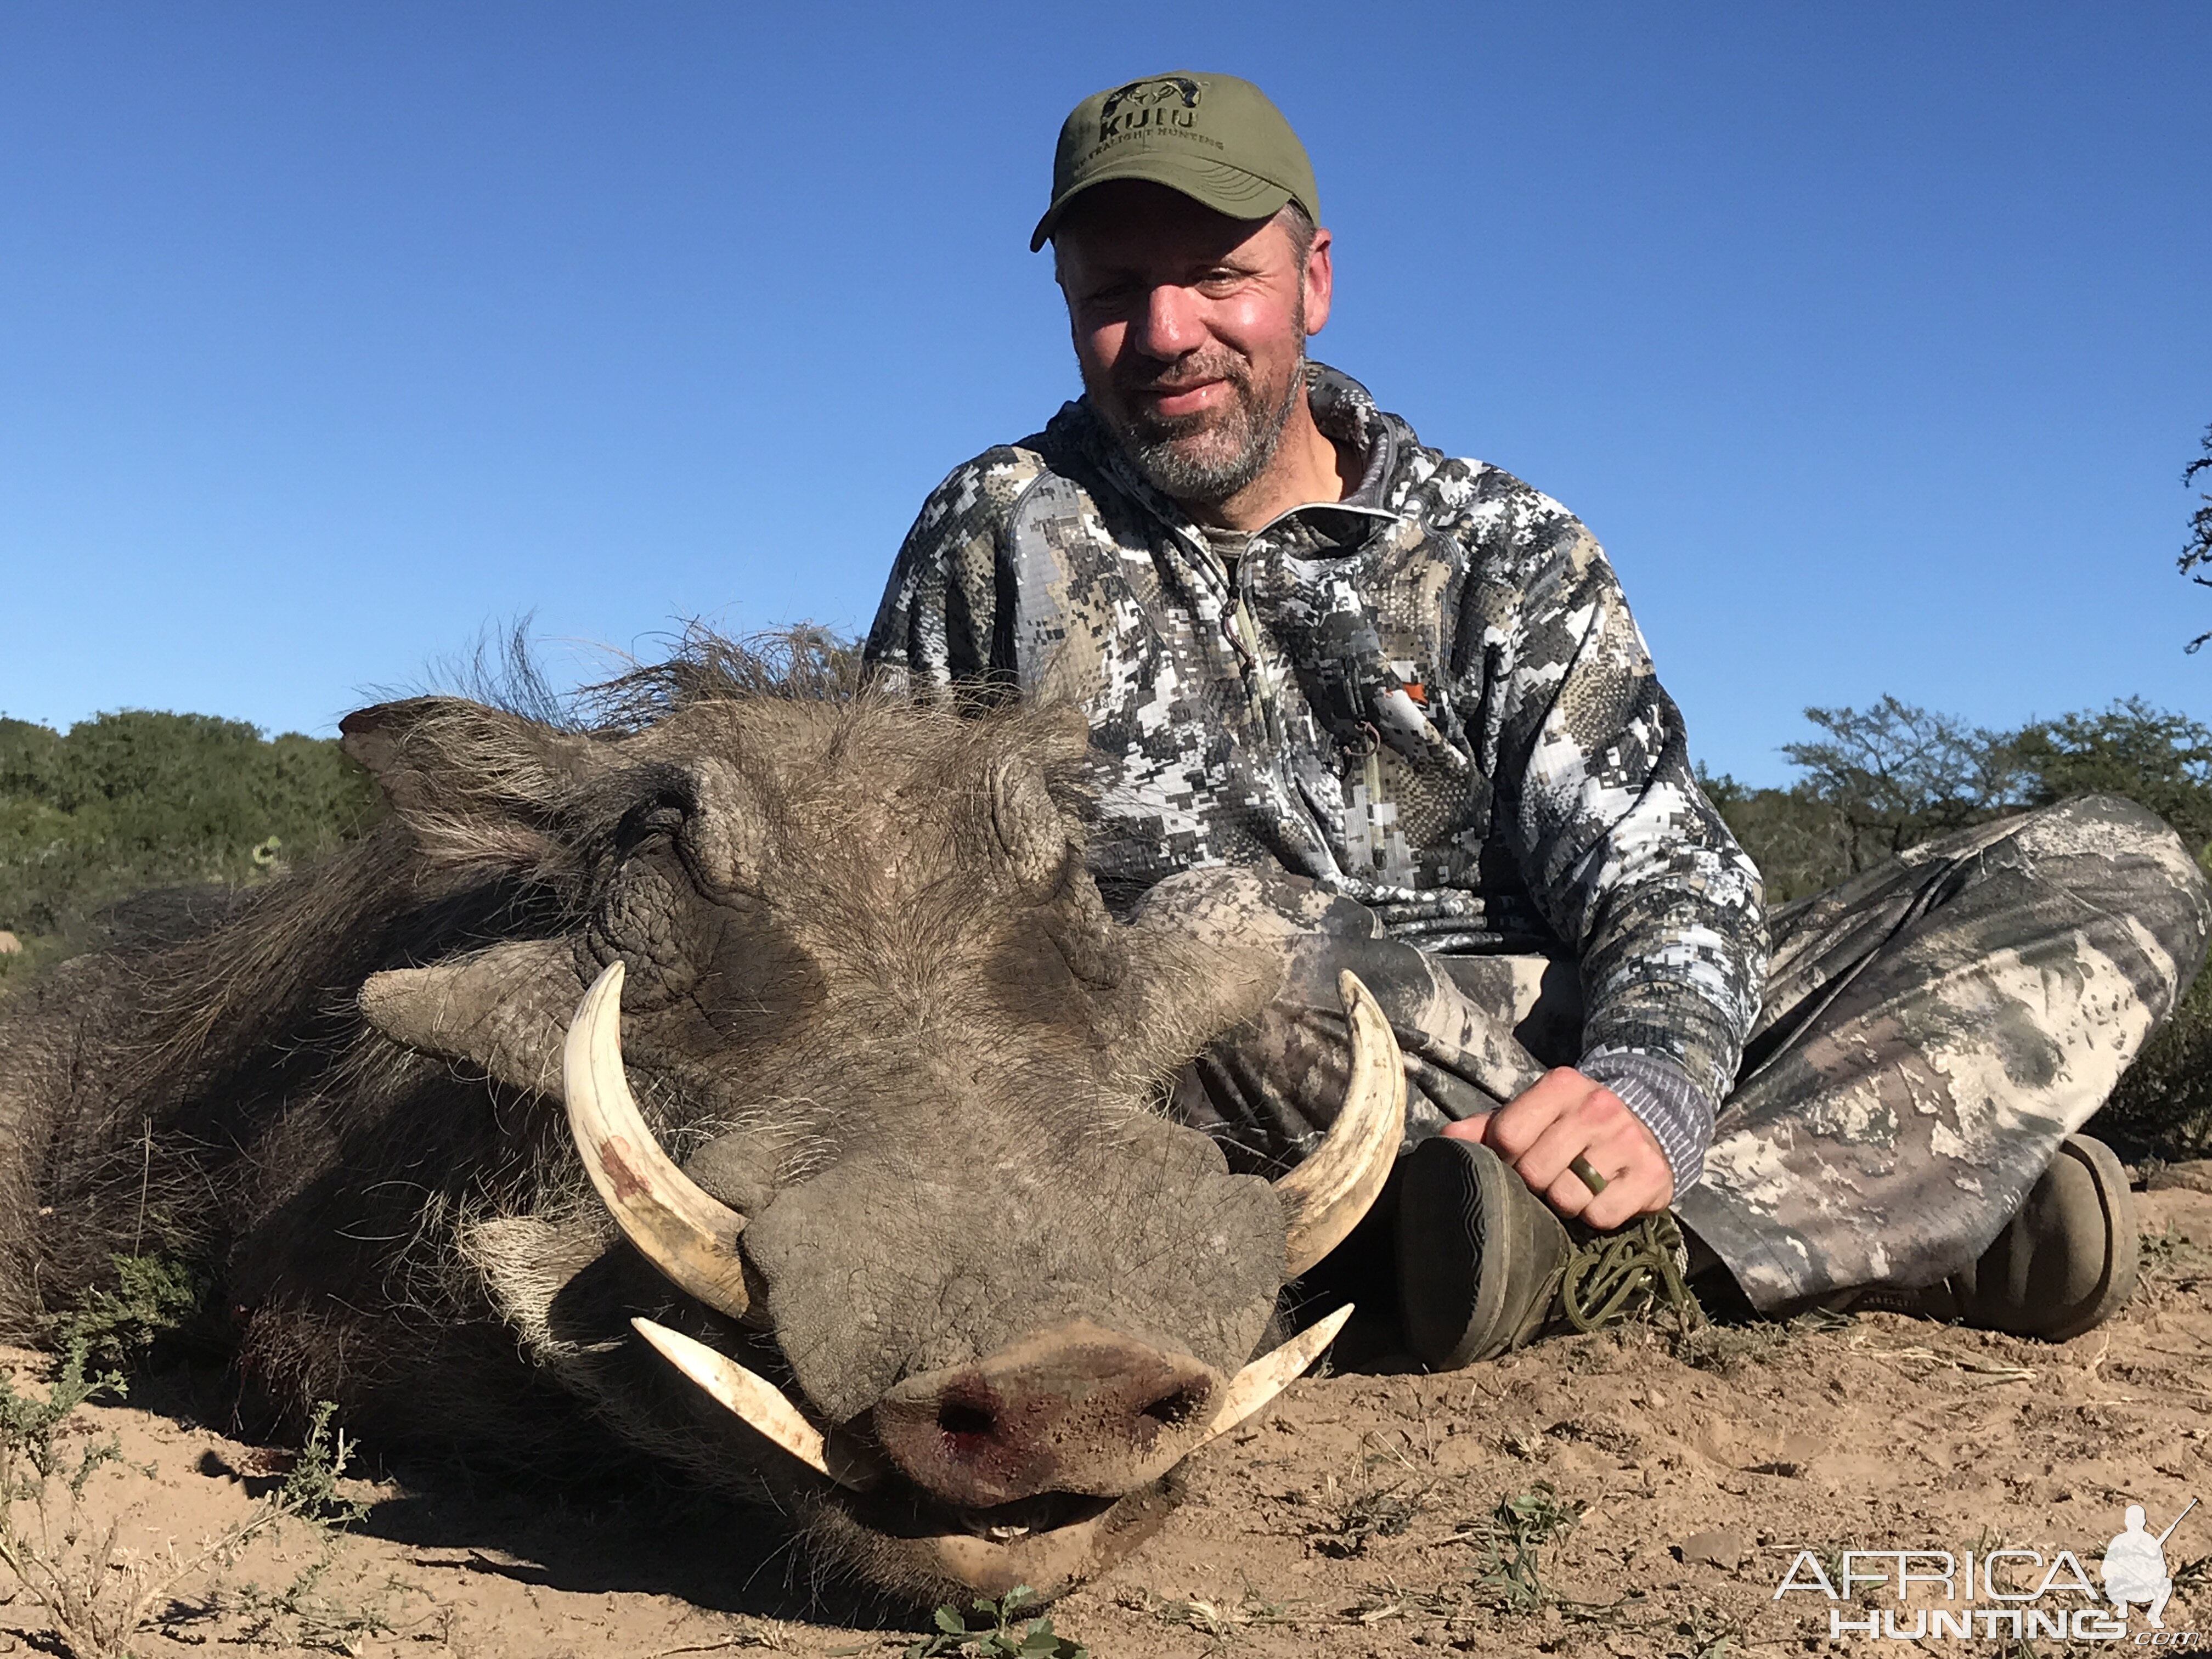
{"points": [[1346, 414]]}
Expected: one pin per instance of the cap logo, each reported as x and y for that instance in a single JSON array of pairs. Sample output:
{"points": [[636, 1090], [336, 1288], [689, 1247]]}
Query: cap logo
{"points": [[1168, 101]]}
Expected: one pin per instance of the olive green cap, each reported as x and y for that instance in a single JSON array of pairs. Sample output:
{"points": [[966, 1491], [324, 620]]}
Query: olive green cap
{"points": [[1214, 137]]}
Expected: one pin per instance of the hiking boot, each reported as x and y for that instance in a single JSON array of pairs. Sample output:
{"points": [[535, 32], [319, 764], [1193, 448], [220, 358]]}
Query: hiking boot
{"points": [[2063, 1264], [1484, 1265]]}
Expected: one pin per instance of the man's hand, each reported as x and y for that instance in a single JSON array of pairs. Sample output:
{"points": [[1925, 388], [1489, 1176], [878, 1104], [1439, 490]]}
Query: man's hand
{"points": [[1565, 1117]]}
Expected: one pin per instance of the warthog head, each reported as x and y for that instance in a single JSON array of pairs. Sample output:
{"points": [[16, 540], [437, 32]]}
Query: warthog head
{"points": [[865, 1189]]}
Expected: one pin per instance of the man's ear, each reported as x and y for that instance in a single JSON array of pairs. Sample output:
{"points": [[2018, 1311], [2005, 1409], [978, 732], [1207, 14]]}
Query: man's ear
{"points": [[1319, 279], [476, 785]]}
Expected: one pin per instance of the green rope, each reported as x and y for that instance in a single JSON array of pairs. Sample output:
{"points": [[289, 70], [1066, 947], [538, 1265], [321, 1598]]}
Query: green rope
{"points": [[1624, 1274]]}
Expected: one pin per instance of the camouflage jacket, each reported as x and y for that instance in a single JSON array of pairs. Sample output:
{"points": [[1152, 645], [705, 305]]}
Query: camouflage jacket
{"points": [[1430, 696]]}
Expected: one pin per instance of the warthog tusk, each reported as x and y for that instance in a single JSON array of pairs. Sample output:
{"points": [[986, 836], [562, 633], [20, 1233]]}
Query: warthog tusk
{"points": [[767, 1410], [764, 1408], [1269, 1374], [686, 1232], [1328, 1193]]}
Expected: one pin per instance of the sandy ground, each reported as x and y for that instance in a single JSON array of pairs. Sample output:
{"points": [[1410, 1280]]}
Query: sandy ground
{"points": [[1363, 1517]]}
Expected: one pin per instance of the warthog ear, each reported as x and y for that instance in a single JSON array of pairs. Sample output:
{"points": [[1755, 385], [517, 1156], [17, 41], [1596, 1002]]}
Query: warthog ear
{"points": [[506, 1009], [1181, 993], [477, 785], [1032, 832], [1209, 957], [1038, 791]]}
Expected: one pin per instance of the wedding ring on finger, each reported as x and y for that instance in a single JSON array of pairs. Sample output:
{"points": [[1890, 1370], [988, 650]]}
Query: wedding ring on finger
{"points": [[1584, 1172]]}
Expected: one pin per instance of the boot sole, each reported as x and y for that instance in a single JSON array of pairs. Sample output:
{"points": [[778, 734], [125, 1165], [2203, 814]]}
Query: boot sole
{"points": [[2124, 1246], [1451, 1206]]}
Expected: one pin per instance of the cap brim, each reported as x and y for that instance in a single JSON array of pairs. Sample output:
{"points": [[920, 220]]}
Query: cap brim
{"points": [[1229, 191]]}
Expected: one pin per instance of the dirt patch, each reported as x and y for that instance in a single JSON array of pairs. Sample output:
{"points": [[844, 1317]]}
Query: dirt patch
{"points": [[1603, 1495]]}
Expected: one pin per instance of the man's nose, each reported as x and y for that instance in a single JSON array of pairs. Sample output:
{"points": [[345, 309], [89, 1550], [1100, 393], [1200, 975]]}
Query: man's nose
{"points": [[1170, 326]]}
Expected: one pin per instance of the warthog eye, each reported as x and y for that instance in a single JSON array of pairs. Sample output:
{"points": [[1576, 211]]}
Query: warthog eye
{"points": [[648, 821]]}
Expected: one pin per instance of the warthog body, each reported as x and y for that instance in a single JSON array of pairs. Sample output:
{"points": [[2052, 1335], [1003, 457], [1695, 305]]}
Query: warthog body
{"points": [[873, 1006]]}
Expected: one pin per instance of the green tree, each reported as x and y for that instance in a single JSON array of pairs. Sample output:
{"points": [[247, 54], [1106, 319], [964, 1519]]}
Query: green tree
{"points": [[1896, 775], [138, 799], [2197, 554], [2162, 761], [1881, 780]]}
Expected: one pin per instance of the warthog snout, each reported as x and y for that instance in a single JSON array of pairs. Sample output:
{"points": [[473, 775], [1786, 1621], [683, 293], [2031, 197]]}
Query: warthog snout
{"points": [[1076, 1409]]}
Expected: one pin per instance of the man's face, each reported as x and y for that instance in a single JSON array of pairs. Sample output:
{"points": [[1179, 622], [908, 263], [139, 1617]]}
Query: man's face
{"points": [[1190, 329]]}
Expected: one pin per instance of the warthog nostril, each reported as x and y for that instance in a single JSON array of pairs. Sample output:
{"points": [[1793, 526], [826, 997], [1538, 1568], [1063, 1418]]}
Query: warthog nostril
{"points": [[958, 1418], [1176, 1407], [1073, 1409]]}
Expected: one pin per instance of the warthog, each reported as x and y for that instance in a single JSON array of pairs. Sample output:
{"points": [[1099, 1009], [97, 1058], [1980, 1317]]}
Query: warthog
{"points": [[864, 1197]]}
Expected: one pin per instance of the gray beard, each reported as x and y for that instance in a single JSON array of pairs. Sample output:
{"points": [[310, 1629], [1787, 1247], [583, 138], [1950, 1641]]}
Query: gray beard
{"points": [[1232, 453]]}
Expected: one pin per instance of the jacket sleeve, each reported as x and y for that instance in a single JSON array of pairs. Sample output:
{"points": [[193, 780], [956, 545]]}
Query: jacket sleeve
{"points": [[945, 619], [1619, 847]]}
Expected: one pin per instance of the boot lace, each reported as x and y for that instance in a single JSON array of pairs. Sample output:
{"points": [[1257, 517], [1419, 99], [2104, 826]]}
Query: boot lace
{"points": [[1633, 1272]]}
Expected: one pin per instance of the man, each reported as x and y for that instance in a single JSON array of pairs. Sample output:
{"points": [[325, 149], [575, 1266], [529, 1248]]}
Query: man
{"points": [[1387, 710]]}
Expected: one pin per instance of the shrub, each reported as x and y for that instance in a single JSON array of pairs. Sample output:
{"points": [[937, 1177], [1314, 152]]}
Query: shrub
{"points": [[129, 801], [1885, 779]]}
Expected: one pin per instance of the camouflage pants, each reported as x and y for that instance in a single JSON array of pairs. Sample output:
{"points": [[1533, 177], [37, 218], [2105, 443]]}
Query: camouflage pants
{"points": [[1932, 1028]]}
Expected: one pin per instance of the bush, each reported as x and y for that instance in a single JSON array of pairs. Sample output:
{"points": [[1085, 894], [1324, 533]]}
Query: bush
{"points": [[2161, 761], [1881, 780], [134, 800]]}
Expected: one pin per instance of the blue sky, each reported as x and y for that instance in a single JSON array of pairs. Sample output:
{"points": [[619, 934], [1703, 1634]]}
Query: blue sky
{"points": [[1870, 339]]}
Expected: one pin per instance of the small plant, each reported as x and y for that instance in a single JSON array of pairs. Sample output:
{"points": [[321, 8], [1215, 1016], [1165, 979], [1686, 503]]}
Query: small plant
{"points": [[1727, 1349], [43, 1531], [96, 1595], [1511, 1536], [302, 1615], [1395, 1485], [996, 1637], [1700, 1641], [1220, 1619], [2171, 1261], [1352, 1520], [154, 1294], [299, 1615]]}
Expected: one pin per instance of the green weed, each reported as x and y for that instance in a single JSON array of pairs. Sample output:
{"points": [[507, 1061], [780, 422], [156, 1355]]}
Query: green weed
{"points": [[154, 1295], [302, 1614], [1350, 1519], [1512, 1536], [1727, 1349], [996, 1637], [96, 1596], [2171, 1261]]}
